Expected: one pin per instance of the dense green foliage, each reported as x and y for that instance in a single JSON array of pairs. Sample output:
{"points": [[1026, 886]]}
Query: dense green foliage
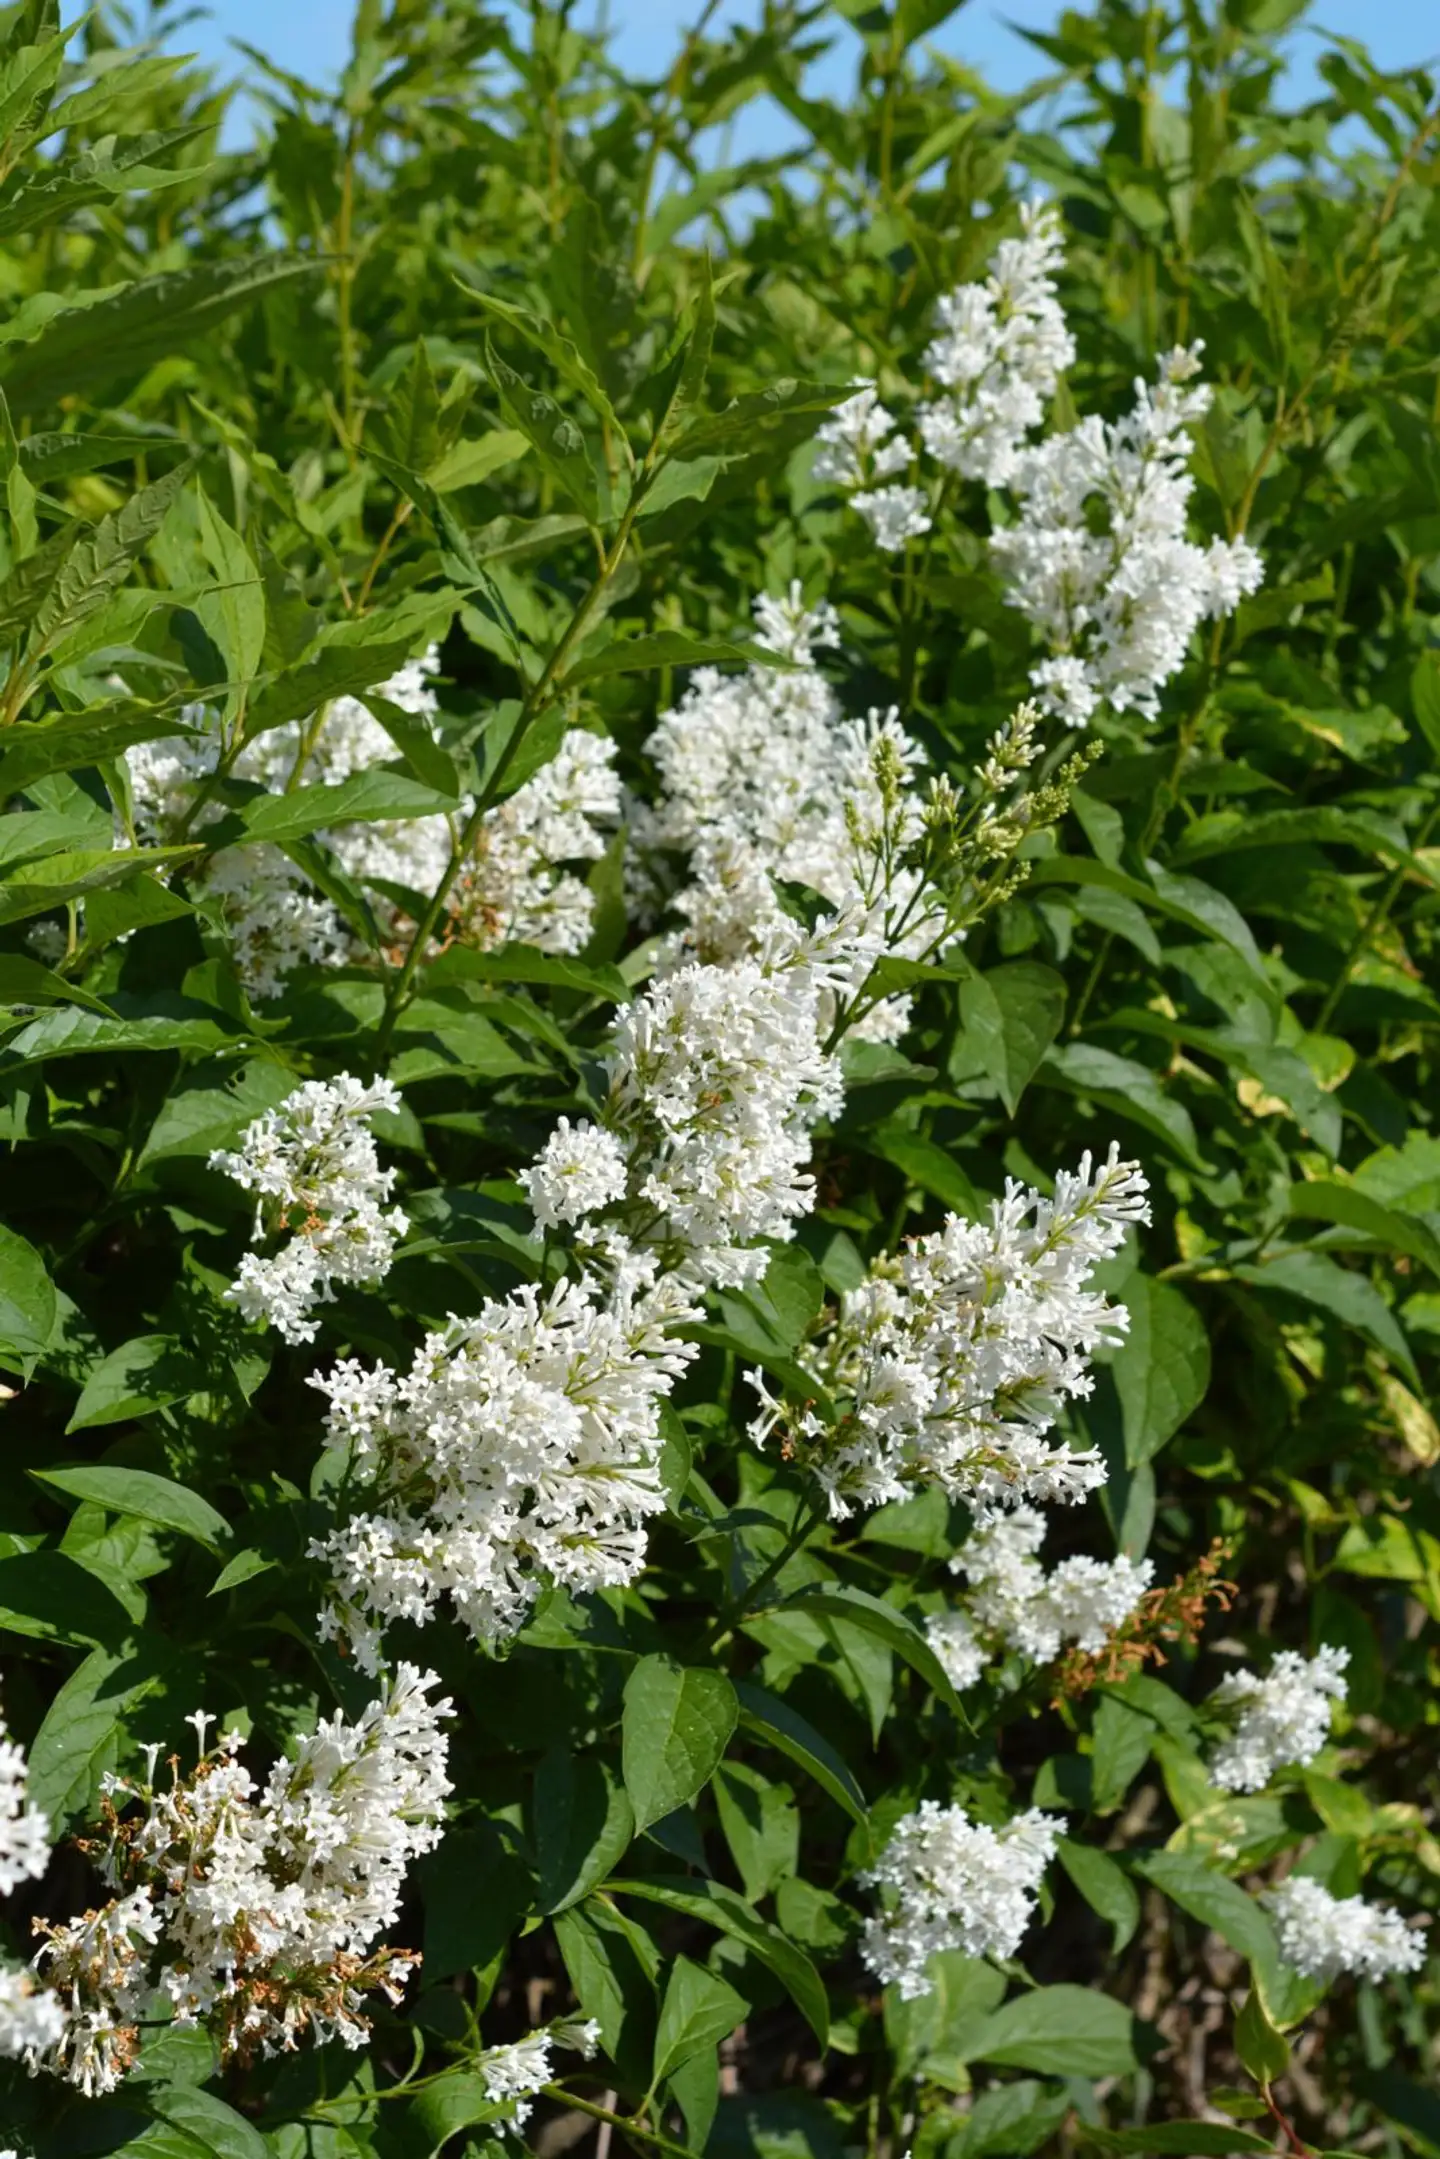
{"points": [[271, 428]]}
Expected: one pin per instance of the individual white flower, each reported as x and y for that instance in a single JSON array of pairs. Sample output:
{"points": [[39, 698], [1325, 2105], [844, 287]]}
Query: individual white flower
{"points": [[1324, 1936], [312, 1164], [24, 1830], [579, 1170], [894, 514], [951, 1362], [1280, 1719], [950, 1883]]}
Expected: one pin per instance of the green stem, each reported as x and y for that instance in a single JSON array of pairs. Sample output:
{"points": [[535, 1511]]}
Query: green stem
{"points": [[617, 2121]]}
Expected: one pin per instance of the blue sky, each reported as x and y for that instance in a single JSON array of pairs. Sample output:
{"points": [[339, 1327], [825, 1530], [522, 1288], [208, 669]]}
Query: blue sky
{"points": [[310, 37]]}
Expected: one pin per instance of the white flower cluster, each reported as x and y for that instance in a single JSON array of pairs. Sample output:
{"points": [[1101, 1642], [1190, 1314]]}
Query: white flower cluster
{"points": [[526, 1442], [513, 2074], [763, 782], [951, 1883], [1013, 1604], [312, 1165], [31, 2019], [274, 922], [1282, 1718], [951, 1363], [717, 1079], [509, 888], [1325, 1936], [24, 1830], [252, 1909], [1001, 351], [1096, 555], [1098, 560], [860, 451]]}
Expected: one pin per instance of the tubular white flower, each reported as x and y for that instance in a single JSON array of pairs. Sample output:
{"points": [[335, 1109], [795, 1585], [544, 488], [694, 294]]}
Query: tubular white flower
{"points": [[313, 1166], [24, 1830], [1324, 1936], [1280, 1719], [950, 1364], [950, 1883]]}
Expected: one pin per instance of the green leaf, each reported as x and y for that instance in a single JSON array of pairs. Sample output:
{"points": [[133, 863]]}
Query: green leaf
{"points": [[365, 798], [142, 1375], [1215, 1901], [697, 2011], [926, 1164], [770, 1719], [761, 1825], [31, 749], [141, 1493], [1162, 1369], [1425, 698], [1191, 2140], [744, 423], [348, 657], [1261, 2049], [894, 1628], [1105, 1886], [1349, 1207], [476, 1891], [583, 1825], [1346, 1295], [1126, 1089], [1012, 1014], [40, 886], [25, 981], [557, 441], [53, 1598], [677, 1724], [667, 648], [80, 1736], [27, 1303], [722, 1908], [233, 614], [99, 561], [124, 330], [1059, 2031], [569, 363], [216, 2127]]}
